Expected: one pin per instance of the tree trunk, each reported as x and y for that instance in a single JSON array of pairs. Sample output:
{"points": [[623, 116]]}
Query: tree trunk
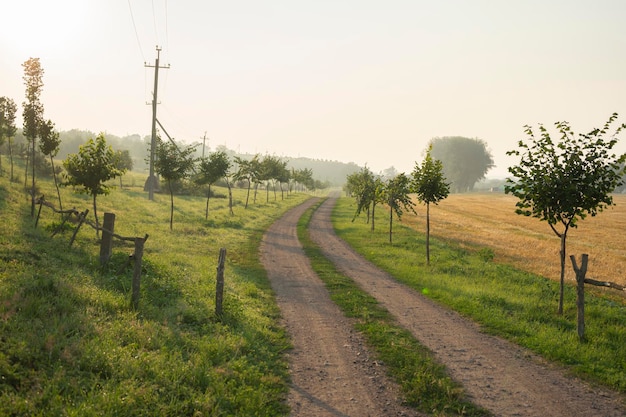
{"points": [[95, 214], [206, 211], [56, 184], [32, 204], [372, 214], [390, 223], [11, 157], [562, 289], [427, 233], [230, 198], [169, 183], [580, 292], [247, 196]]}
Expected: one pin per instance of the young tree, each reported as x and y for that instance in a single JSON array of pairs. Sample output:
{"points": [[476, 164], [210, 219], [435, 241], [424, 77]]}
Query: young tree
{"points": [[90, 169], [8, 109], [362, 187], [247, 171], [123, 162], [33, 112], [564, 181], [212, 168], [173, 164], [49, 146], [428, 182], [396, 194]]}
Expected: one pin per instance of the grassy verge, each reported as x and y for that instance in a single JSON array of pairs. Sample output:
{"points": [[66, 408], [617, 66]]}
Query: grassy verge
{"points": [[424, 382], [71, 345], [515, 304]]}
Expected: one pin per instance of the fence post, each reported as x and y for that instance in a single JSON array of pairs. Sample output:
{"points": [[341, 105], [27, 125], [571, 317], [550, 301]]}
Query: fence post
{"points": [[106, 244], [580, 292], [41, 199], [134, 301], [219, 286]]}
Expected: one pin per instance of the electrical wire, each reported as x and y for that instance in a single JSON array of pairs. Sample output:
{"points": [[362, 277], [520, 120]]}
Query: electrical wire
{"points": [[156, 33], [132, 18]]}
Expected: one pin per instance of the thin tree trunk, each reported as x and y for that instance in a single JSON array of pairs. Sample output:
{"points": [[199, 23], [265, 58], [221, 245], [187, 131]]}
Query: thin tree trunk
{"points": [[230, 197], [169, 183], [32, 204], [373, 213], [27, 164], [56, 184], [95, 213], [206, 211], [247, 195], [427, 233], [561, 291], [11, 157], [390, 223]]}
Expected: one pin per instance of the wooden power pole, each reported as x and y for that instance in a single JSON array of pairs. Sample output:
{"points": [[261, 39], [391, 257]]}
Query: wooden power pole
{"points": [[152, 182]]}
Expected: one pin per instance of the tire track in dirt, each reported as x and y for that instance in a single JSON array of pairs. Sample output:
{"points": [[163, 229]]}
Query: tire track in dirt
{"points": [[332, 373], [497, 375]]}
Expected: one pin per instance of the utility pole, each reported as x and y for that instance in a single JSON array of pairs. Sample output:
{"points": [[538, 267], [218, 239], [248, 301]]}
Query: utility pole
{"points": [[152, 181], [203, 144]]}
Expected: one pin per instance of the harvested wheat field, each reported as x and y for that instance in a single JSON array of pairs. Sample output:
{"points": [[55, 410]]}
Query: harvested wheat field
{"points": [[489, 220]]}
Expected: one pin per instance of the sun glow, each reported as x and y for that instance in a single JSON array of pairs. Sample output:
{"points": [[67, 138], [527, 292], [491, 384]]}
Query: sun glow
{"points": [[42, 27]]}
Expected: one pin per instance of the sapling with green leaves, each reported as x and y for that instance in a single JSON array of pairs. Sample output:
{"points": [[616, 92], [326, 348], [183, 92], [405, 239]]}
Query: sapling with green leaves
{"points": [[211, 169], [430, 186], [173, 164], [91, 168], [562, 181], [49, 146], [396, 194]]}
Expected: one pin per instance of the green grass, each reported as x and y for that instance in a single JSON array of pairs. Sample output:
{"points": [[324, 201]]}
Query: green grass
{"points": [[424, 382], [71, 345], [517, 305]]}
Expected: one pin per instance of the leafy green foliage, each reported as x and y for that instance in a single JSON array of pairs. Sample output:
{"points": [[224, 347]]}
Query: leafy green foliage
{"points": [[396, 194], [563, 181], [211, 169], [7, 120], [32, 113], [173, 164], [365, 188], [428, 182], [91, 168], [465, 161], [49, 146]]}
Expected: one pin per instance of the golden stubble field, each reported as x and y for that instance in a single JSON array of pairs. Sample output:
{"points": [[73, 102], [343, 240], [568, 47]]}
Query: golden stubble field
{"points": [[489, 220]]}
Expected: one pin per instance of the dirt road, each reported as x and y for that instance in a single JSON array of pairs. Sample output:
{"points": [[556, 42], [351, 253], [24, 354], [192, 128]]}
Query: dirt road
{"points": [[332, 372], [330, 376]]}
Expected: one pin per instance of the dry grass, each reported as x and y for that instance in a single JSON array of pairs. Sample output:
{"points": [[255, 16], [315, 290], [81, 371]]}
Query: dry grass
{"points": [[489, 220]]}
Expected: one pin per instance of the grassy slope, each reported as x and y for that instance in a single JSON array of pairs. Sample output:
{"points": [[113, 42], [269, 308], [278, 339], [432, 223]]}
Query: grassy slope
{"points": [[71, 345], [518, 305]]}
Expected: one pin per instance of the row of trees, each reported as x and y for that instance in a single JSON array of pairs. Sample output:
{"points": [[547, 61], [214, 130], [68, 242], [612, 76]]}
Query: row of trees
{"points": [[96, 163], [427, 181], [557, 181], [176, 164]]}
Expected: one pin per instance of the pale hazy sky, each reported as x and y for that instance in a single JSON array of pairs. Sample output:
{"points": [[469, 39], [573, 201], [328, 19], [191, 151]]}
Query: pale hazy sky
{"points": [[369, 82]]}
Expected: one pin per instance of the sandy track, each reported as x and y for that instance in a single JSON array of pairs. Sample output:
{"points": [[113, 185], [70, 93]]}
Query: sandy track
{"points": [[332, 373], [498, 375]]}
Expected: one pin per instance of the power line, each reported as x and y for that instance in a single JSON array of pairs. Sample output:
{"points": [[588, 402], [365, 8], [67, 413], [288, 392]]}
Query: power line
{"points": [[136, 33]]}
